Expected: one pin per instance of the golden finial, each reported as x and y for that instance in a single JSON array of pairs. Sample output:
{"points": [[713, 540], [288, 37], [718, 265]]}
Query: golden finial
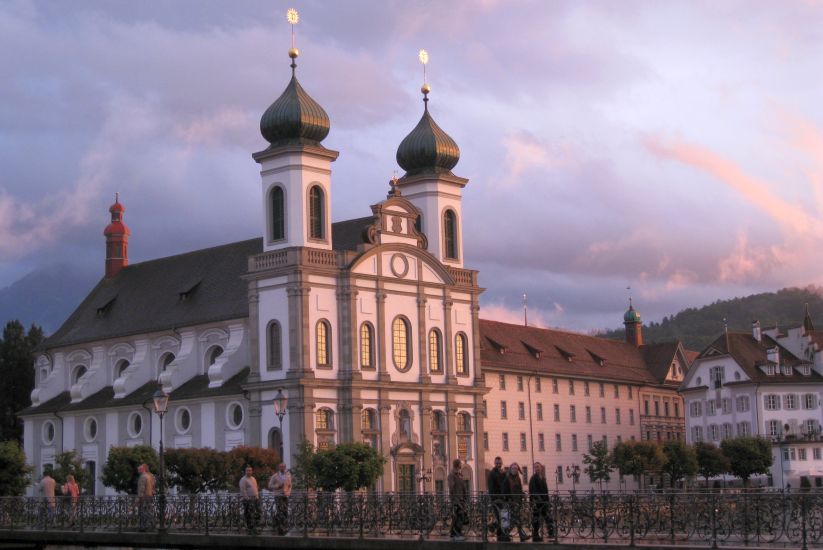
{"points": [[423, 56], [293, 18]]}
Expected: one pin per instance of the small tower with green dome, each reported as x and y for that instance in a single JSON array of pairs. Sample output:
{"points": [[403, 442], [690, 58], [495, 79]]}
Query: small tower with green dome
{"points": [[634, 326]]}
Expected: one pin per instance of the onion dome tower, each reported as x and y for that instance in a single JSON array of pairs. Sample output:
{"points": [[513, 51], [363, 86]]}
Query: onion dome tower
{"points": [[634, 326], [117, 240], [295, 168], [428, 155]]}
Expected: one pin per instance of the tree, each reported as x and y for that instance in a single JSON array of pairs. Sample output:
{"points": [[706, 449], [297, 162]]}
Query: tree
{"points": [[14, 472], [747, 456], [598, 463], [198, 470], [681, 461], [264, 462], [710, 460], [120, 470], [348, 466], [638, 458], [70, 463], [17, 373]]}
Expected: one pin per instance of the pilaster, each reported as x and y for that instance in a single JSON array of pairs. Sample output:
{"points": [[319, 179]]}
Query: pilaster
{"points": [[423, 336], [448, 337]]}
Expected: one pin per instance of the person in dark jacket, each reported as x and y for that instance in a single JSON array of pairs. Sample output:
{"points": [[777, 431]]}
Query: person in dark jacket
{"points": [[457, 494], [539, 498], [513, 491], [494, 483]]}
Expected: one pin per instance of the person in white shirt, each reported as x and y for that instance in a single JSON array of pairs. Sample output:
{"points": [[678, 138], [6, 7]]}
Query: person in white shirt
{"points": [[280, 486], [251, 500]]}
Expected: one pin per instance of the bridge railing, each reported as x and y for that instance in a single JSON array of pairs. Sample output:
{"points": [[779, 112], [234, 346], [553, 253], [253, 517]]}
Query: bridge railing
{"points": [[710, 518]]}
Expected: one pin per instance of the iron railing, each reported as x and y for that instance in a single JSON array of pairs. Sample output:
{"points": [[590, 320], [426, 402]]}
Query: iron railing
{"points": [[784, 519]]}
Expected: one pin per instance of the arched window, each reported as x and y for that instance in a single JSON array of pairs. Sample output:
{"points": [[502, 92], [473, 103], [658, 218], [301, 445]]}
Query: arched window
{"points": [[401, 343], [213, 354], [461, 354], [368, 425], [275, 346], [324, 425], [165, 360], [77, 374], [323, 344], [438, 421], [450, 234], [366, 346], [317, 212], [276, 441], [120, 367], [464, 422], [278, 213], [435, 353]]}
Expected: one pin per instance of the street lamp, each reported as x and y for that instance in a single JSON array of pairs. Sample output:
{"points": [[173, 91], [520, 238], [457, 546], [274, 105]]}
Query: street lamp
{"points": [[161, 405], [281, 402], [424, 476], [573, 472]]}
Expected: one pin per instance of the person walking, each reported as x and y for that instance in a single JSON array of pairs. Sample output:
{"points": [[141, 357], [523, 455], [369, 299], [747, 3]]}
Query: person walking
{"points": [[72, 490], [513, 490], [494, 485], [145, 496], [280, 486], [539, 498], [47, 487], [457, 494], [250, 494]]}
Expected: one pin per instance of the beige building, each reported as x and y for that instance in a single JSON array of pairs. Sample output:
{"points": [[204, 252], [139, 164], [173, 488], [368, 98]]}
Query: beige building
{"points": [[554, 393]]}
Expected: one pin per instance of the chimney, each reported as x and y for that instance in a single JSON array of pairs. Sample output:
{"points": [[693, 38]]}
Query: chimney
{"points": [[756, 334], [117, 240]]}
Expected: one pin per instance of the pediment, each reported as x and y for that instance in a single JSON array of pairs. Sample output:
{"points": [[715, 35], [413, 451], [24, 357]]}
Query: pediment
{"points": [[403, 262]]}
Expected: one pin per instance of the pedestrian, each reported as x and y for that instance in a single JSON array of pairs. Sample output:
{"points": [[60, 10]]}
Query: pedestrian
{"points": [[72, 490], [494, 484], [145, 496], [280, 485], [513, 490], [47, 487], [251, 500], [457, 494], [539, 498]]}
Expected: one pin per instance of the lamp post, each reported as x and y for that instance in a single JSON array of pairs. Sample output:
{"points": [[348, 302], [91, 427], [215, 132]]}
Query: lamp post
{"points": [[424, 476], [573, 472], [161, 404], [281, 402]]}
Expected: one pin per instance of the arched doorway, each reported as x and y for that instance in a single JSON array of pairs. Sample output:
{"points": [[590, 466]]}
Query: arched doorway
{"points": [[276, 441]]}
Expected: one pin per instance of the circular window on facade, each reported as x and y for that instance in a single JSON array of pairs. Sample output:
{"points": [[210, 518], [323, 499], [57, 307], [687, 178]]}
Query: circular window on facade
{"points": [[234, 415], [183, 420], [90, 429], [135, 424], [48, 432]]}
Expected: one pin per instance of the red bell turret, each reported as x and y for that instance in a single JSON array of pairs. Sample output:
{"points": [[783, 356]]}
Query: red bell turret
{"points": [[117, 240]]}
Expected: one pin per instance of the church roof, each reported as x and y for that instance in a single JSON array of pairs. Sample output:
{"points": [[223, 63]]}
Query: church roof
{"points": [[427, 149], [197, 287], [560, 353]]}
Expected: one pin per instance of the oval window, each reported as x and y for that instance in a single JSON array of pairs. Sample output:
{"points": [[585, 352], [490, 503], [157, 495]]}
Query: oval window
{"points": [[135, 425], [48, 433], [183, 420], [234, 416], [91, 429]]}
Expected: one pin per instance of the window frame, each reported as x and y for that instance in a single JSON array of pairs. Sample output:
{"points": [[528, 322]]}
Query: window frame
{"points": [[277, 214], [367, 345], [407, 336], [274, 331], [461, 354], [450, 237], [326, 344], [435, 351], [316, 230]]}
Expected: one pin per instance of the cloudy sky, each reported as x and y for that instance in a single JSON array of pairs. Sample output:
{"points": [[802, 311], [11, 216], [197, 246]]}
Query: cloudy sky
{"points": [[676, 147]]}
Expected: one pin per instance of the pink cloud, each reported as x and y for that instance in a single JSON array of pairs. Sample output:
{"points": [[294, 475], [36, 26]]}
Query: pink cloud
{"points": [[790, 217]]}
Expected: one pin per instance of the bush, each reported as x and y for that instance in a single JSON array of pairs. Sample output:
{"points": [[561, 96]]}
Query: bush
{"points": [[120, 470], [70, 463], [264, 462], [348, 466], [14, 472], [198, 470]]}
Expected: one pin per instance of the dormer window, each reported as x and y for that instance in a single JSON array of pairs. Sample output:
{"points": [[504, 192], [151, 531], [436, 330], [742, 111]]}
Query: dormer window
{"points": [[187, 293], [533, 351], [104, 309], [787, 370], [568, 356]]}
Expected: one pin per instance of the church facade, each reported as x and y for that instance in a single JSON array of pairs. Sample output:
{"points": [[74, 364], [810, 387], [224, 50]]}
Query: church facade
{"points": [[370, 326]]}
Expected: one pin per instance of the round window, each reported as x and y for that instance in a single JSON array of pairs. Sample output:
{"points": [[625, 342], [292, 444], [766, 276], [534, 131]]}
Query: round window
{"points": [[235, 415], [90, 429], [135, 424], [183, 420], [48, 432]]}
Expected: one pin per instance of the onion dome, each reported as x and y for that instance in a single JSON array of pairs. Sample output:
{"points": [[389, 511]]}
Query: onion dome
{"points": [[631, 316], [427, 148], [294, 118], [116, 227]]}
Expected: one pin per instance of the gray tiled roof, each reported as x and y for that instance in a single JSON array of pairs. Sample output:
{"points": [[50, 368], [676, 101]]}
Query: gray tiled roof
{"points": [[146, 297]]}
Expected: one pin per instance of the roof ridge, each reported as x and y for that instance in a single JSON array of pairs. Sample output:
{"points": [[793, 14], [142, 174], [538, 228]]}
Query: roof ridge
{"points": [[197, 251]]}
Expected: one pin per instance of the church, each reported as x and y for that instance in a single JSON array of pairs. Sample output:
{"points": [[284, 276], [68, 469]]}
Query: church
{"points": [[369, 326]]}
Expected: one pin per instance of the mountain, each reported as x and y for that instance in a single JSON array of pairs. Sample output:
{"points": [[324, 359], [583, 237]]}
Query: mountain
{"points": [[698, 327], [46, 296]]}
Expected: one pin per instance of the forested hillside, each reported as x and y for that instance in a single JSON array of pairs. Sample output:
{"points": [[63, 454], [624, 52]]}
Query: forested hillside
{"points": [[697, 327]]}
